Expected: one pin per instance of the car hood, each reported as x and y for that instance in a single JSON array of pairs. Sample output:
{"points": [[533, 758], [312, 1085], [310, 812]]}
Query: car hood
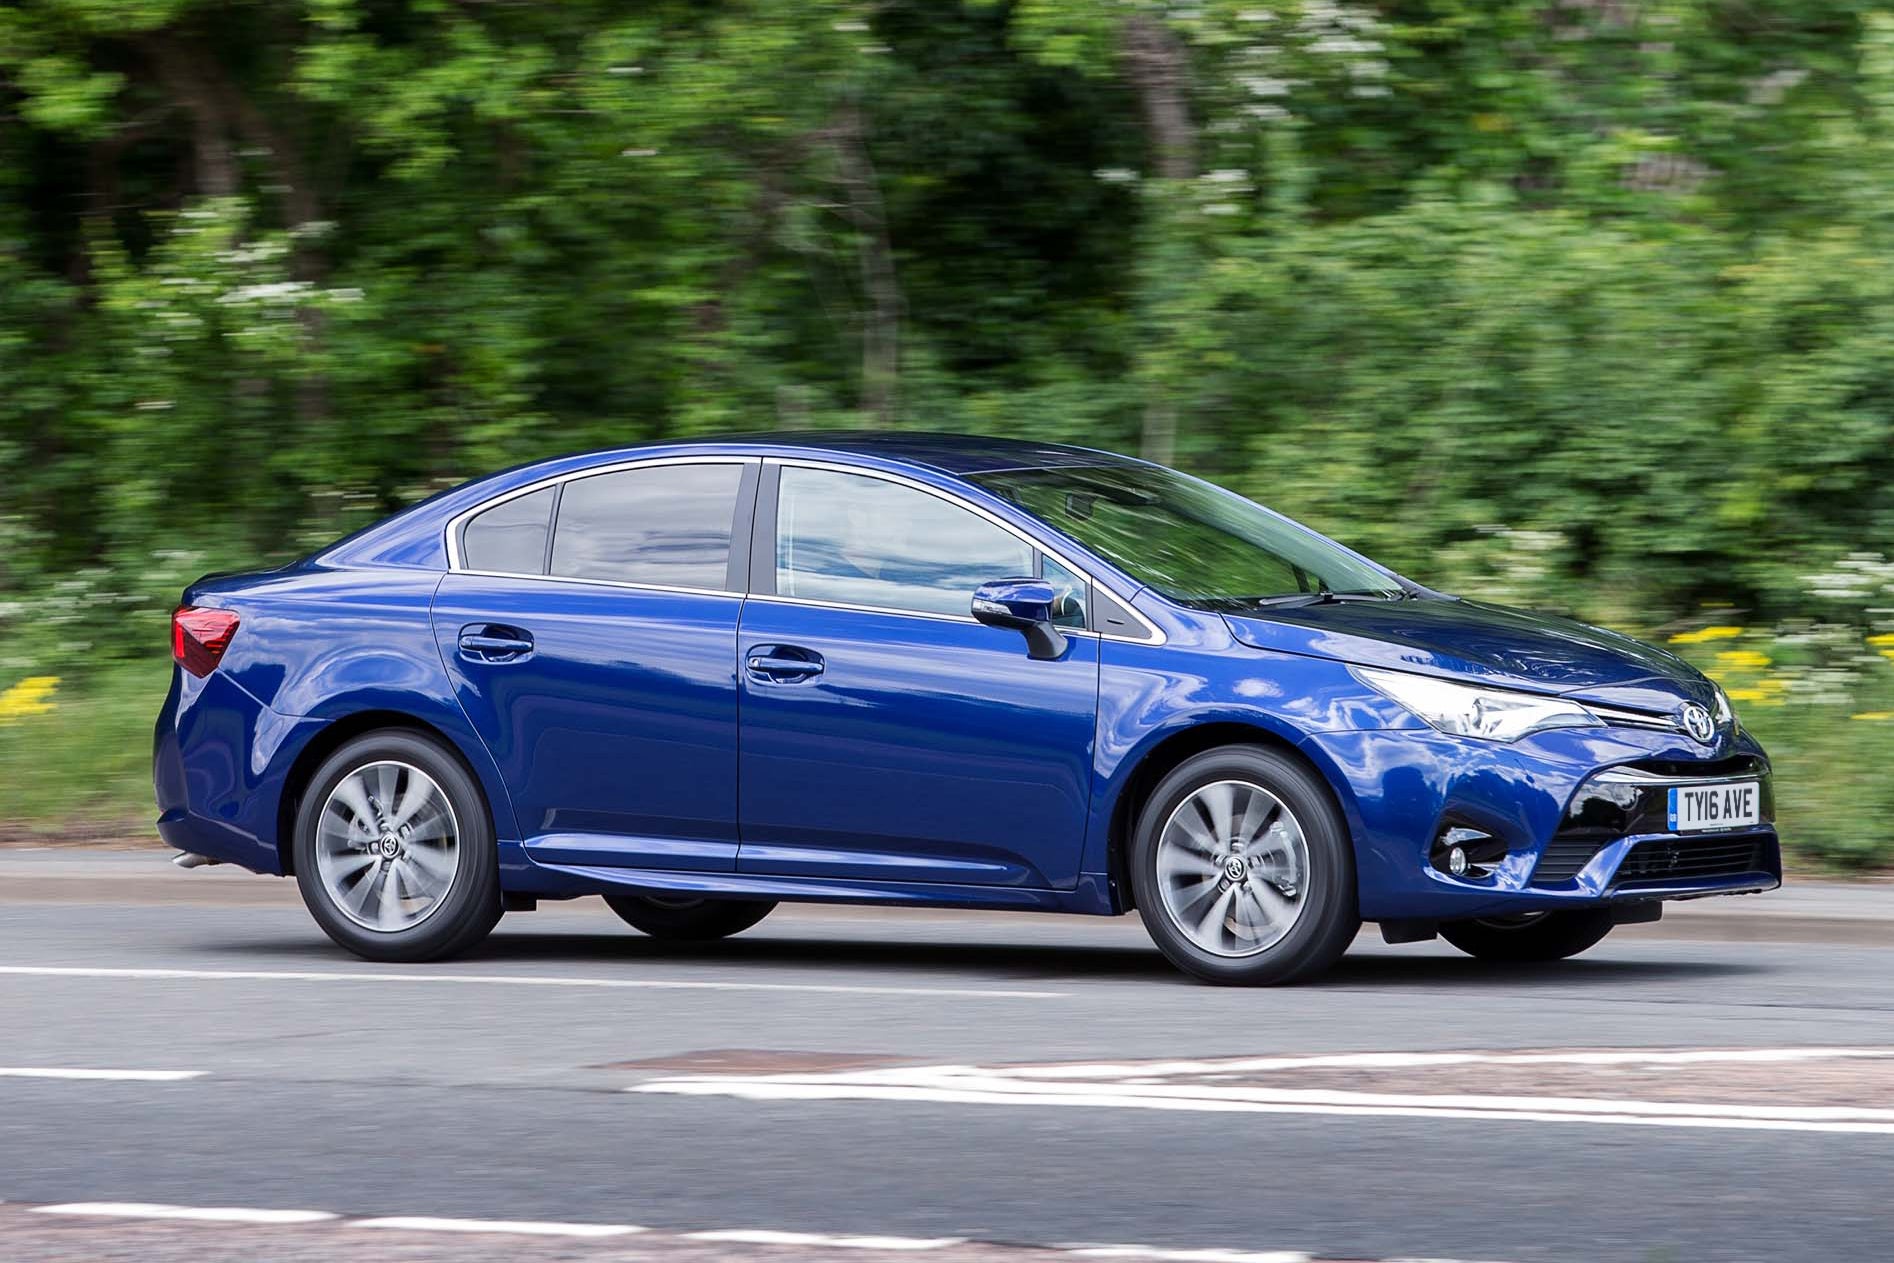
{"points": [[1488, 644]]}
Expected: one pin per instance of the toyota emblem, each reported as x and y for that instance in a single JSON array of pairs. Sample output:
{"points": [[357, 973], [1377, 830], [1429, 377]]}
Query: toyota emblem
{"points": [[1699, 724]]}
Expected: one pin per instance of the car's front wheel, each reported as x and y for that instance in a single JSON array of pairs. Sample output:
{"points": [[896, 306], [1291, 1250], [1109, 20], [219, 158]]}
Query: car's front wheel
{"points": [[1242, 869], [394, 850], [1531, 937], [688, 919]]}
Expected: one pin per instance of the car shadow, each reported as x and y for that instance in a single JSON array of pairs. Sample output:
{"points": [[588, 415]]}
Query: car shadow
{"points": [[1433, 969], [882, 955], [856, 957]]}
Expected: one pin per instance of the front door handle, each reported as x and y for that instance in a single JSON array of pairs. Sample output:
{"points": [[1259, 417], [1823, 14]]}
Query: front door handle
{"points": [[782, 663], [485, 643]]}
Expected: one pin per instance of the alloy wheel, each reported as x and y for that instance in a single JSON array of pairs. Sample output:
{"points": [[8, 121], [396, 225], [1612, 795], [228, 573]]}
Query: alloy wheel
{"points": [[1233, 868], [387, 846]]}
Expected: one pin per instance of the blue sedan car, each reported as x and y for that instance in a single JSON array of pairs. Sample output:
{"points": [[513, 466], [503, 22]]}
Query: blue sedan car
{"points": [[702, 678]]}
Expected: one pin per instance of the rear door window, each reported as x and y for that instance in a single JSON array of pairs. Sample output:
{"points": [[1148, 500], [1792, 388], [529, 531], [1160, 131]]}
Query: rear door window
{"points": [[665, 526]]}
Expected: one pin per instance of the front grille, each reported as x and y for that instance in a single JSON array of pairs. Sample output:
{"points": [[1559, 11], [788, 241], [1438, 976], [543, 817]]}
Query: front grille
{"points": [[1618, 716], [1665, 859], [1605, 809], [1734, 766]]}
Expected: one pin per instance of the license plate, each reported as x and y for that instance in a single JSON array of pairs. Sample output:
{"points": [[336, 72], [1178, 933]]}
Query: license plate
{"points": [[1697, 807]]}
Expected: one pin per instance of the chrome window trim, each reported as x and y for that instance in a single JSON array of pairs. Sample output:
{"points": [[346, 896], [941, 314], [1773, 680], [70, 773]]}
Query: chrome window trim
{"points": [[602, 583], [1154, 635], [455, 524], [813, 603], [456, 563]]}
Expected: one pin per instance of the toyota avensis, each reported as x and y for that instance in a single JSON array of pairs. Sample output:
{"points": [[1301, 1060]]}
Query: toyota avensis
{"points": [[700, 679]]}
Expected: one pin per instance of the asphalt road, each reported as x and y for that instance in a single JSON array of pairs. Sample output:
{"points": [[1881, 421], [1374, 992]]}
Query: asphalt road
{"points": [[789, 1081]]}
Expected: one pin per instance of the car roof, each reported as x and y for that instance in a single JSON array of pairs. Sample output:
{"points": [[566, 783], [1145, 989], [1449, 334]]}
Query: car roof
{"points": [[413, 536], [945, 453]]}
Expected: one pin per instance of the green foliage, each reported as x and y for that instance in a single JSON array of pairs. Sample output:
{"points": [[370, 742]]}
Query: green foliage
{"points": [[1577, 305], [83, 766]]}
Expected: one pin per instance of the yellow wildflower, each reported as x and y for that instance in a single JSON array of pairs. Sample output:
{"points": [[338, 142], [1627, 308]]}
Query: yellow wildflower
{"points": [[1885, 638], [1704, 634], [28, 697], [1874, 714], [1748, 695], [1744, 659]]}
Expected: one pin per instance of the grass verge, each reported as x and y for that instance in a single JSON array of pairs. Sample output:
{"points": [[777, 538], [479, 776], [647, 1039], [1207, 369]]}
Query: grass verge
{"points": [[75, 763]]}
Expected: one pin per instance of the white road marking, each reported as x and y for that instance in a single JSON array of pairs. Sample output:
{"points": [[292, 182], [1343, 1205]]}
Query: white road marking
{"points": [[516, 980], [70, 1072], [729, 1236], [974, 1085], [763, 1236], [1411, 1060], [515, 1227], [811, 1092], [1185, 1256], [214, 1214]]}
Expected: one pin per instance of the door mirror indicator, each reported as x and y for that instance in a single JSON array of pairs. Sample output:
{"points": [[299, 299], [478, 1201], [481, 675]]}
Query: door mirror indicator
{"points": [[1026, 606]]}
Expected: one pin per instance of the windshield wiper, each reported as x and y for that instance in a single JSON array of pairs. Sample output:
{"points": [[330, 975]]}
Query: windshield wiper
{"points": [[1295, 600]]}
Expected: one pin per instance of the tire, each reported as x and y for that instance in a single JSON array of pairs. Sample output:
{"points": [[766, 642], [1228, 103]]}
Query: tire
{"points": [[1181, 873], [1532, 939], [689, 920], [416, 877]]}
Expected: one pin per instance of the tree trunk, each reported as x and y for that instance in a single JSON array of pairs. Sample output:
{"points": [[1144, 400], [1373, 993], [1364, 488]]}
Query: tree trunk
{"points": [[1158, 66], [180, 70], [219, 110], [881, 326]]}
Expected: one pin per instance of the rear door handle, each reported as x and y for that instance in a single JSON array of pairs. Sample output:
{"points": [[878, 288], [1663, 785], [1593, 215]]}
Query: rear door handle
{"points": [[782, 663], [485, 643]]}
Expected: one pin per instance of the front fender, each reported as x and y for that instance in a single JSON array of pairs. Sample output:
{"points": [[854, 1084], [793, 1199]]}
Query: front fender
{"points": [[1149, 695]]}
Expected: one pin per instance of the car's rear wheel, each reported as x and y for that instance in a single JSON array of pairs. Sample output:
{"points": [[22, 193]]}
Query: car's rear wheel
{"points": [[1242, 869], [1531, 937], [394, 849], [688, 919]]}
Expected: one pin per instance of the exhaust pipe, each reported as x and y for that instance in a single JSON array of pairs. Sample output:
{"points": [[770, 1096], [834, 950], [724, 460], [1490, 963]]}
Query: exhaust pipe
{"points": [[191, 859]]}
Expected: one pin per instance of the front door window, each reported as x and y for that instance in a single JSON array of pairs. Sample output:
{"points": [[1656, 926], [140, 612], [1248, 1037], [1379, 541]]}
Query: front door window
{"points": [[857, 540]]}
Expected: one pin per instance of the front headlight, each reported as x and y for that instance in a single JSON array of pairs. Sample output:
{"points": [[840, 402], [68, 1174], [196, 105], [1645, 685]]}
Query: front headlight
{"points": [[1468, 711], [1725, 713]]}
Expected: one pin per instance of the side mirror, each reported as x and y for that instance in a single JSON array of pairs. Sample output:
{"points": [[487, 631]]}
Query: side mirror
{"points": [[1026, 606]]}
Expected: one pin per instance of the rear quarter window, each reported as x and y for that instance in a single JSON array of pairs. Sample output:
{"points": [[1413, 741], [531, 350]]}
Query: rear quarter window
{"points": [[510, 538]]}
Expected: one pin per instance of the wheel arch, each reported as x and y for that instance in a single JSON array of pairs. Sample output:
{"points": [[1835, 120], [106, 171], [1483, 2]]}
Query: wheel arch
{"points": [[1169, 752], [332, 737]]}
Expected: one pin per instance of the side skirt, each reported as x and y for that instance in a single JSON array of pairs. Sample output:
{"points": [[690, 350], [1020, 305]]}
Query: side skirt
{"points": [[520, 874]]}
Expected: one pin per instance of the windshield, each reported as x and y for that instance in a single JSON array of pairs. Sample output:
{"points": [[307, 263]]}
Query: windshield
{"points": [[1197, 544]]}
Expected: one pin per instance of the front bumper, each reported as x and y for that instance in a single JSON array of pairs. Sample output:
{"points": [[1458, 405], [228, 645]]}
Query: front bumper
{"points": [[1400, 788]]}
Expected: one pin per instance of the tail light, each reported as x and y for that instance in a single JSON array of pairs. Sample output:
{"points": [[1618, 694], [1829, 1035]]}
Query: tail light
{"points": [[200, 636]]}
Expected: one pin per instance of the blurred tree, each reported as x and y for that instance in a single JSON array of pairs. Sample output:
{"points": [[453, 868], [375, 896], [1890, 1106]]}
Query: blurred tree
{"points": [[1600, 282]]}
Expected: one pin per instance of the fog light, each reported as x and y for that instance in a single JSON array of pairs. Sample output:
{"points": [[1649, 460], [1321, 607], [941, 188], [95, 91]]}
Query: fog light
{"points": [[1468, 853]]}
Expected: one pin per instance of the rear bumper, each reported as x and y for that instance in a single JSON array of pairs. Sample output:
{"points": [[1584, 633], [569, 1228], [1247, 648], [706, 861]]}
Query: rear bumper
{"points": [[220, 762]]}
